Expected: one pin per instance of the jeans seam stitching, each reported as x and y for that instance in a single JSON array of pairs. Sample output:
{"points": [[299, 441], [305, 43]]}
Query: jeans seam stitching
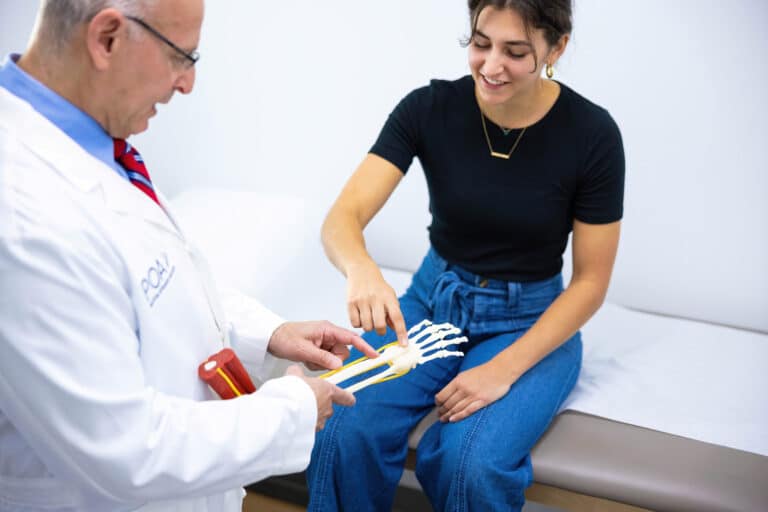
{"points": [[329, 441], [461, 495]]}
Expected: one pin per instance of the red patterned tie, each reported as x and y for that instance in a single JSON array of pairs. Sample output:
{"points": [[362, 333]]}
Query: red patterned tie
{"points": [[127, 156]]}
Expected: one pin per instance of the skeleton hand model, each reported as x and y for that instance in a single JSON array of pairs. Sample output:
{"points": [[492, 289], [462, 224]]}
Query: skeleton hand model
{"points": [[424, 339]]}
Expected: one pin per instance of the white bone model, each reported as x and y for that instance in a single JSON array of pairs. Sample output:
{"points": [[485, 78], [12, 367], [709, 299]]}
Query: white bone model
{"points": [[423, 338]]}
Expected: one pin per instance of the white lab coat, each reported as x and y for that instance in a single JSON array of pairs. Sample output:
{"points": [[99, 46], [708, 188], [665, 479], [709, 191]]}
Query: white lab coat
{"points": [[105, 313]]}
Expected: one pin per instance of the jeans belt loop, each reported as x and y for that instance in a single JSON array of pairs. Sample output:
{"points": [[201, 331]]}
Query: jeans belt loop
{"points": [[513, 293]]}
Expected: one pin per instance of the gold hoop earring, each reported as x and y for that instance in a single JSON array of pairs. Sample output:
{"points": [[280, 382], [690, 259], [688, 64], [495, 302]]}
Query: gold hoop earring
{"points": [[549, 70]]}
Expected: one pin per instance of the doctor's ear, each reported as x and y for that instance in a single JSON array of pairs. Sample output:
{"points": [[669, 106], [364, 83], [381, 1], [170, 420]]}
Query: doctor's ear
{"points": [[104, 35]]}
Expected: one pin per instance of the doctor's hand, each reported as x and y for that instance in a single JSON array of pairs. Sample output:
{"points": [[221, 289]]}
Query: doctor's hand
{"points": [[319, 345], [372, 303], [326, 395]]}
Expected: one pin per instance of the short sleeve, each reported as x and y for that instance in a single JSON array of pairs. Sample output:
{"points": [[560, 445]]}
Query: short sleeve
{"points": [[400, 138], [600, 196]]}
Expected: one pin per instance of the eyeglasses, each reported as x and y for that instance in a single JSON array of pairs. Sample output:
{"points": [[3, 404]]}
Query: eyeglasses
{"points": [[189, 58]]}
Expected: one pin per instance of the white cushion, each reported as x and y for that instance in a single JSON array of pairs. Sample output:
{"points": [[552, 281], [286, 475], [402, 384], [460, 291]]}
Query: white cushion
{"points": [[397, 237], [683, 377], [703, 264], [249, 239]]}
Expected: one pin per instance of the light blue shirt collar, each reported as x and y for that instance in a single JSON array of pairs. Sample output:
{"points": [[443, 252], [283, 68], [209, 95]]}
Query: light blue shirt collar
{"points": [[78, 125]]}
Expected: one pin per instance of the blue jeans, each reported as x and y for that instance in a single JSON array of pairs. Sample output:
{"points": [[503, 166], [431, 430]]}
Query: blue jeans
{"points": [[481, 463]]}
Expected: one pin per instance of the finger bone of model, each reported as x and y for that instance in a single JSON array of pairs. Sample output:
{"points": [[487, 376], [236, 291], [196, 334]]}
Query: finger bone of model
{"points": [[426, 342]]}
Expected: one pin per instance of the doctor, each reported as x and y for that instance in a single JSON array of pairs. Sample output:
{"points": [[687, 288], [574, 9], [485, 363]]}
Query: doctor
{"points": [[106, 309]]}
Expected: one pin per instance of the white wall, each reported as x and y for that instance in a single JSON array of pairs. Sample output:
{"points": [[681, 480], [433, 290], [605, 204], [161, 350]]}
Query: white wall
{"points": [[293, 96], [16, 20], [290, 95]]}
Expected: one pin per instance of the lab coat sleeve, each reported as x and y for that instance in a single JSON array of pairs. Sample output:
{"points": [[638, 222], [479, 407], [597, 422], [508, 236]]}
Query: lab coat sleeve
{"points": [[251, 327], [72, 383]]}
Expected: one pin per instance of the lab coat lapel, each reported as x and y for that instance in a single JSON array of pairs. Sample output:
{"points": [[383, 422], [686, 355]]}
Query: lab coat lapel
{"points": [[77, 166], [122, 197]]}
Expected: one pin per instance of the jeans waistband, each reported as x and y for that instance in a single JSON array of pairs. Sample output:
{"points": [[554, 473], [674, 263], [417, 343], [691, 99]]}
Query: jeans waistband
{"points": [[494, 284], [476, 279], [456, 295]]}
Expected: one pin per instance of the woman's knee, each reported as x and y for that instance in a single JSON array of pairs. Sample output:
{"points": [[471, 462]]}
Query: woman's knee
{"points": [[468, 463], [457, 479], [346, 426]]}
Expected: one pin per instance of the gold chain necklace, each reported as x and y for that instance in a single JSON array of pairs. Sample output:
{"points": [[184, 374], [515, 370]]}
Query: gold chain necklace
{"points": [[496, 154]]}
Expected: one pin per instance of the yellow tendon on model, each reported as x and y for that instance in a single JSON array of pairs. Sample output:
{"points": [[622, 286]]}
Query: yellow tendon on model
{"points": [[426, 342]]}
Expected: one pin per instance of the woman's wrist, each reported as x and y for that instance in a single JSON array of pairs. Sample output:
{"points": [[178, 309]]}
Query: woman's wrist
{"points": [[511, 363], [361, 264]]}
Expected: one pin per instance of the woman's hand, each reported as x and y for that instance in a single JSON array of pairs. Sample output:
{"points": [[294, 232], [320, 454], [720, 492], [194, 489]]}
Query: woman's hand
{"points": [[473, 389], [372, 304]]}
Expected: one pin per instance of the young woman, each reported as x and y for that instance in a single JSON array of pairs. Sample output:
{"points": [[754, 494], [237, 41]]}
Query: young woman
{"points": [[514, 162]]}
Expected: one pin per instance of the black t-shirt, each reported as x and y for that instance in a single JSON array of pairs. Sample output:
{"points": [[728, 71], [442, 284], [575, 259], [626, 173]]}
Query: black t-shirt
{"points": [[507, 219]]}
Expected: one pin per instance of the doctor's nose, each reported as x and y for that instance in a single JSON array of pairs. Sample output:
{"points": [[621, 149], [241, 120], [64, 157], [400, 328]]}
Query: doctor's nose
{"points": [[185, 82]]}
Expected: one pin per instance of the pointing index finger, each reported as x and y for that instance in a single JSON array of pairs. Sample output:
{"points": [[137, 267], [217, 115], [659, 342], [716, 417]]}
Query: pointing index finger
{"points": [[361, 345], [347, 337], [397, 323]]}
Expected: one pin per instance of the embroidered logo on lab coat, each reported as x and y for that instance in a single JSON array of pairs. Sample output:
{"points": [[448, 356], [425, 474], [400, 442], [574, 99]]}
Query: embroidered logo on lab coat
{"points": [[158, 277]]}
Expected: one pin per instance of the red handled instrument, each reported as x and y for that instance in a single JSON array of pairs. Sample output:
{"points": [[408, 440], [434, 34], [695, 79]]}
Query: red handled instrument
{"points": [[226, 375]]}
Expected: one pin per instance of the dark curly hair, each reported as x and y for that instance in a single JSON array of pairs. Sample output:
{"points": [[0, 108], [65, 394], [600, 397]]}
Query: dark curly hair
{"points": [[554, 17]]}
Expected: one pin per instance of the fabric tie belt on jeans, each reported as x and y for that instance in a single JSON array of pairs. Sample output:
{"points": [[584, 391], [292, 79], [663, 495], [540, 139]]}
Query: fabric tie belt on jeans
{"points": [[450, 300], [452, 295]]}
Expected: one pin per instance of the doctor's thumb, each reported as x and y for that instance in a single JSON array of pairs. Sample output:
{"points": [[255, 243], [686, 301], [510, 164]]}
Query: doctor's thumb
{"points": [[322, 359]]}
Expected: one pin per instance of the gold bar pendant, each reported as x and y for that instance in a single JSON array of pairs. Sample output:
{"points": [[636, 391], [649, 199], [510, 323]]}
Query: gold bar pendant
{"points": [[500, 155]]}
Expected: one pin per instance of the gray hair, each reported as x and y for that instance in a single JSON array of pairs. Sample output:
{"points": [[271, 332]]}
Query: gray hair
{"points": [[57, 19]]}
